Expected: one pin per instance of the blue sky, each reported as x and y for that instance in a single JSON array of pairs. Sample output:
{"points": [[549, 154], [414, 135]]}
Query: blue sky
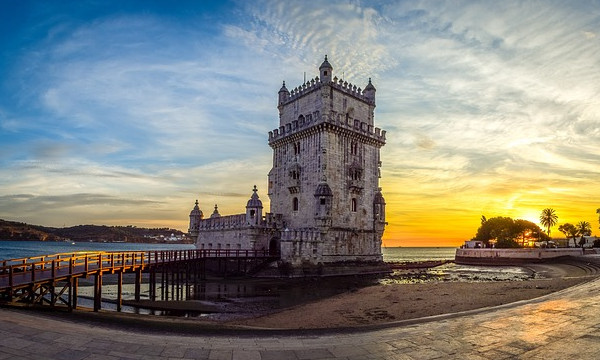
{"points": [[126, 112]]}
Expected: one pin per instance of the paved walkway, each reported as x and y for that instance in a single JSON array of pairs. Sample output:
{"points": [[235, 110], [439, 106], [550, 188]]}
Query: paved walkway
{"points": [[564, 325]]}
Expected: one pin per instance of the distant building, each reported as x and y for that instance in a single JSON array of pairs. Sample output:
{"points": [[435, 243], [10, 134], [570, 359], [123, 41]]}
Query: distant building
{"points": [[326, 205]]}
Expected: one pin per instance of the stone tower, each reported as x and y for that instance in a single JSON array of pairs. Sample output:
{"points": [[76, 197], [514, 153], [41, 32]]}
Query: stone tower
{"points": [[324, 182], [196, 216]]}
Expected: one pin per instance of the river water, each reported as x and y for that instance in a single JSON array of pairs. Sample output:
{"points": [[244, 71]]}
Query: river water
{"points": [[23, 249]]}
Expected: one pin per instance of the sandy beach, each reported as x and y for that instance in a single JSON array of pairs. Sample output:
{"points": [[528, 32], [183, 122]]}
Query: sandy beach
{"points": [[386, 303]]}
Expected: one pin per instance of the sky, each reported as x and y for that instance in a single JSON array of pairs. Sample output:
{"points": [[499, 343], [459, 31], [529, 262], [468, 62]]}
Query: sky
{"points": [[126, 112]]}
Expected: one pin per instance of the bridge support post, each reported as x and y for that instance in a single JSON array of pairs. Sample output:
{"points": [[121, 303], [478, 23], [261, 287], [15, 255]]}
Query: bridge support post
{"points": [[97, 291], [153, 284], [52, 289], [173, 289], [138, 283], [119, 290], [164, 294], [73, 292]]}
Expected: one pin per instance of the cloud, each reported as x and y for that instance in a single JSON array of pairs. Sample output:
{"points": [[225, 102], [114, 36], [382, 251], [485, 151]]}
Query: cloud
{"points": [[483, 102]]}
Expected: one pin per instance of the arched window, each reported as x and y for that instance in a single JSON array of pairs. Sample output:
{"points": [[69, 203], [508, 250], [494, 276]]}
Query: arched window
{"points": [[353, 206], [295, 204]]}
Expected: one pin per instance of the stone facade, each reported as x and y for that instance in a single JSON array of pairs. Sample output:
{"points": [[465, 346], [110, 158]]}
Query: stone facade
{"points": [[326, 204]]}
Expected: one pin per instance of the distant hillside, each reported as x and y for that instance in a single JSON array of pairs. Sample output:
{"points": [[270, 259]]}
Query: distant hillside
{"points": [[10, 230]]}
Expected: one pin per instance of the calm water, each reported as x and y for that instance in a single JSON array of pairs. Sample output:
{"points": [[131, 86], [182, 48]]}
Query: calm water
{"points": [[22, 249]]}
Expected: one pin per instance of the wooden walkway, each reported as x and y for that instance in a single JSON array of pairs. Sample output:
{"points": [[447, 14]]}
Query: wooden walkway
{"points": [[53, 279]]}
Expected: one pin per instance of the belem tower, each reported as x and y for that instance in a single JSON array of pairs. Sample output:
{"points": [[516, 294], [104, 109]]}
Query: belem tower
{"points": [[326, 205]]}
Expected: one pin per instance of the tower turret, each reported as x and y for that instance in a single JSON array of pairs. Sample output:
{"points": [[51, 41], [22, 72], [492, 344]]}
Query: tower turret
{"points": [[369, 92], [326, 71], [284, 94], [254, 209], [215, 213], [195, 217]]}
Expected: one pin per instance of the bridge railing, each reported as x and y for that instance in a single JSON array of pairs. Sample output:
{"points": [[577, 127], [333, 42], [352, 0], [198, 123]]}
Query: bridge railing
{"points": [[43, 267]]}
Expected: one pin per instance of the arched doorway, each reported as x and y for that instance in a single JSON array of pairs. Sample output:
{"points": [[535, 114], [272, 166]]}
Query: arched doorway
{"points": [[274, 247]]}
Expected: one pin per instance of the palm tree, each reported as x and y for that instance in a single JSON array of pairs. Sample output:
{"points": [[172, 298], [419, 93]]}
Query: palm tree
{"points": [[598, 212], [570, 231], [584, 228], [548, 219]]}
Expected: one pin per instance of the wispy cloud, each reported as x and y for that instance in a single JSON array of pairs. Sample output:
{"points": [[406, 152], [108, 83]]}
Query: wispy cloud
{"points": [[488, 106]]}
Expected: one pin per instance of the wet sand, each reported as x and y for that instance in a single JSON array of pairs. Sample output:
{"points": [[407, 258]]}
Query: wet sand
{"points": [[385, 303]]}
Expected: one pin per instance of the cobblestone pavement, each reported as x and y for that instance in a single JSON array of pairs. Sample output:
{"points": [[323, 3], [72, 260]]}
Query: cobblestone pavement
{"points": [[563, 325]]}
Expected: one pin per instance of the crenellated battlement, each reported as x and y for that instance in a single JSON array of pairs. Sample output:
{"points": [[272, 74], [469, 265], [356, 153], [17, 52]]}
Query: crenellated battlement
{"points": [[237, 221], [309, 120], [315, 84]]}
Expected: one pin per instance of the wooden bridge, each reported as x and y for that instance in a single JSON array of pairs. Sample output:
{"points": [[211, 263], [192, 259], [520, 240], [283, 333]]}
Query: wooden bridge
{"points": [[54, 279]]}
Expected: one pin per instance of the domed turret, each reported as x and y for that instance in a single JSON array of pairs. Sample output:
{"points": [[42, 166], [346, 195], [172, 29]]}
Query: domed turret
{"points": [[326, 71], [195, 218], [215, 213], [284, 94], [254, 209], [369, 91]]}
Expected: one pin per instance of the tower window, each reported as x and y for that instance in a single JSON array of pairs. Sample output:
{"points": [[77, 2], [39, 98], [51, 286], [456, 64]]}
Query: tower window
{"points": [[325, 73], [323, 201], [295, 204], [353, 205]]}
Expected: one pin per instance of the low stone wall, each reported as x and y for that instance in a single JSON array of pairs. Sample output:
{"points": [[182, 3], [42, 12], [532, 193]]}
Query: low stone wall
{"points": [[511, 256]]}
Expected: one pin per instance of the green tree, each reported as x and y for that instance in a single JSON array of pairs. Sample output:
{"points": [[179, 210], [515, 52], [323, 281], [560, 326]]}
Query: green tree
{"points": [[506, 231], [584, 228], [525, 231], [548, 218], [570, 231]]}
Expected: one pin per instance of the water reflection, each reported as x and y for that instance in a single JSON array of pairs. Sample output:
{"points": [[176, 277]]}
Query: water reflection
{"points": [[241, 296]]}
